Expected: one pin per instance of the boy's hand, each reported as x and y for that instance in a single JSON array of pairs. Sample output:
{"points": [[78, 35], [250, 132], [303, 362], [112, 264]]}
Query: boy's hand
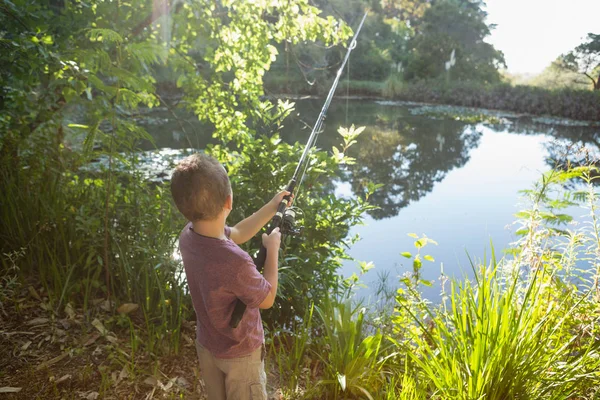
{"points": [[278, 198], [272, 241]]}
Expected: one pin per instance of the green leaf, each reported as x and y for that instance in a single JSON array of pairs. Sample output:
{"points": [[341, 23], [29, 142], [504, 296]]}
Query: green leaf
{"points": [[366, 266], [417, 263], [428, 258], [406, 254], [69, 94], [106, 35], [413, 235]]}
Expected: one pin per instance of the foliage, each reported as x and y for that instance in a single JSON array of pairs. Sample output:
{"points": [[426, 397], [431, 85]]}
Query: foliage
{"points": [[352, 366], [71, 96], [554, 77], [524, 327], [454, 26], [584, 59], [574, 104], [495, 342], [309, 265], [238, 49]]}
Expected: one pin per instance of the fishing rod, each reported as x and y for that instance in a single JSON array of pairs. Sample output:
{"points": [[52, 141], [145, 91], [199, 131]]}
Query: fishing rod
{"points": [[285, 217]]}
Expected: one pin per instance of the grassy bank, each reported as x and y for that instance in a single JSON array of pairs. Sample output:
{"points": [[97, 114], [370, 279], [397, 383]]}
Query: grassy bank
{"points": [[566, 103], [527, 327]]}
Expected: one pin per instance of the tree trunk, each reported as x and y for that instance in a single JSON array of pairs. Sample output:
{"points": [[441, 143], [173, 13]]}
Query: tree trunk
{"points": [[597, 83]]}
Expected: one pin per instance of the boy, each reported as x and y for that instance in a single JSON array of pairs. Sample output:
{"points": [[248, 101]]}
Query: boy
{"points": [[219, 272]]}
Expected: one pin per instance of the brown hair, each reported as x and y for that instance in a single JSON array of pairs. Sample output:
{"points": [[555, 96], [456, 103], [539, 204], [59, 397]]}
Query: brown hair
{"points": [[200, 186]]}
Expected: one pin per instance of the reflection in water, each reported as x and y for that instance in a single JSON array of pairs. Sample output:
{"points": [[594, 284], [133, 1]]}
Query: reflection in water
{"points": [[408, 158], [456, 181], [406, 151], [574, 143]]}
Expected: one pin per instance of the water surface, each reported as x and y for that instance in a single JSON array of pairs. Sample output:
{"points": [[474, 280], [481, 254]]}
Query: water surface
{"points": [[449, 173]]}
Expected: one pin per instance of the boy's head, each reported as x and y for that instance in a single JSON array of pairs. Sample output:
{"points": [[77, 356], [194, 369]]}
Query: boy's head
{"points": [[200, 187]]}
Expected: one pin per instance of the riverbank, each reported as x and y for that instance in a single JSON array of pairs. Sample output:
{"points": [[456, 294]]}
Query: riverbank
{"points": [[565, 103], [95, 354], [521, 314]]}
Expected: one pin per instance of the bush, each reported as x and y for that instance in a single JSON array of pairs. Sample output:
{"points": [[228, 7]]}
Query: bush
{"points": [[567, 103]]}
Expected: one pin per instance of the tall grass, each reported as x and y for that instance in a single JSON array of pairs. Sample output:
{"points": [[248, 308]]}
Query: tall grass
{"points": [[55, 218], [351, 360], [290, 350], [494, 342], [524, 327]]}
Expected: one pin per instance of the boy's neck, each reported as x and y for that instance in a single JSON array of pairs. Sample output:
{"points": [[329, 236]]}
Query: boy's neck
{"points": [[213, 228]]}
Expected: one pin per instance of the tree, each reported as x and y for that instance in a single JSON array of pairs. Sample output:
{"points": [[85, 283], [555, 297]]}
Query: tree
{"points": [[459, 26], [410, 10], [585, 60], [74, 76]]}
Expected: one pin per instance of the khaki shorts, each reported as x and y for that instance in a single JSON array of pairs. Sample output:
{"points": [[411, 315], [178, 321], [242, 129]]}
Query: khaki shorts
{"points": [[242, 378]]}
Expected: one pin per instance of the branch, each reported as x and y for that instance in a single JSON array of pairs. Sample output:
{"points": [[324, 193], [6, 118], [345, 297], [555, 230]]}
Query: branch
{"points": [[592, 79]]}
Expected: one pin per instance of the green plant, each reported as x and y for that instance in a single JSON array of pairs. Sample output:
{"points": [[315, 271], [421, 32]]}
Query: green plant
{"points": [[392, 86], [489, 342], [351, 358], [290, 350]]}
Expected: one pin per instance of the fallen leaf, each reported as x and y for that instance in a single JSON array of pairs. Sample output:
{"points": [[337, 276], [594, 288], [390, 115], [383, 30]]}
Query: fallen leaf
{"points": [[112, 339], [92, 339], [69, 311], [152, 381], [127, 308], [107, 305], [122, 375], [92, 396], [63, 378], [26, 345], [8, 389], [34, 293], [188, 339], [169, 385], [51, 362], [37, 321], [98, 325], [64, 323], [97, 351], [181, 381]]}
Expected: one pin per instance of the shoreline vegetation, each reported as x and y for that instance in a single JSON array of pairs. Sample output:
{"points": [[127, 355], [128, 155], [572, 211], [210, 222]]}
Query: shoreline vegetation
{"points": [[520, 329], [573, 104]]}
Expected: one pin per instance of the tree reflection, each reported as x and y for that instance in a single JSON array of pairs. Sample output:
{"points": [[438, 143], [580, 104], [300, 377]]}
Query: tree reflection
{"points": [[573, 145], [408, 155]]}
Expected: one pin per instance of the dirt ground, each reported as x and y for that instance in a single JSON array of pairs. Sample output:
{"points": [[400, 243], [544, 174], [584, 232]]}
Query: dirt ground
{"points": [[64, 354]]}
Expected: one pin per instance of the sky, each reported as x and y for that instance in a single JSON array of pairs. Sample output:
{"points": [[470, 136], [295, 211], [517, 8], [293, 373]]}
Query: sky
{"points": [[532, 33]]}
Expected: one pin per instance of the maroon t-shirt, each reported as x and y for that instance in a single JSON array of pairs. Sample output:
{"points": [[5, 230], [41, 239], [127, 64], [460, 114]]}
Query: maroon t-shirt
{"points": [[218, 273]]}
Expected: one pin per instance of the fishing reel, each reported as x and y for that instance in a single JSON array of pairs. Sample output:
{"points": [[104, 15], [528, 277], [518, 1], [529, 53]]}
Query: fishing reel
{"points": [[288, 221]]}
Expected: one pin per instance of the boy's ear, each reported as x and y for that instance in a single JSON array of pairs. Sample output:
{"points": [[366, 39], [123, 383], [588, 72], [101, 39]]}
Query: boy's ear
{"points": [[229, 202]]}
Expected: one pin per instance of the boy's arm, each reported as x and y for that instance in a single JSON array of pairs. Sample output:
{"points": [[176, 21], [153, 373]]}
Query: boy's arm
{"points": [[271, 243], [247, 228]]}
